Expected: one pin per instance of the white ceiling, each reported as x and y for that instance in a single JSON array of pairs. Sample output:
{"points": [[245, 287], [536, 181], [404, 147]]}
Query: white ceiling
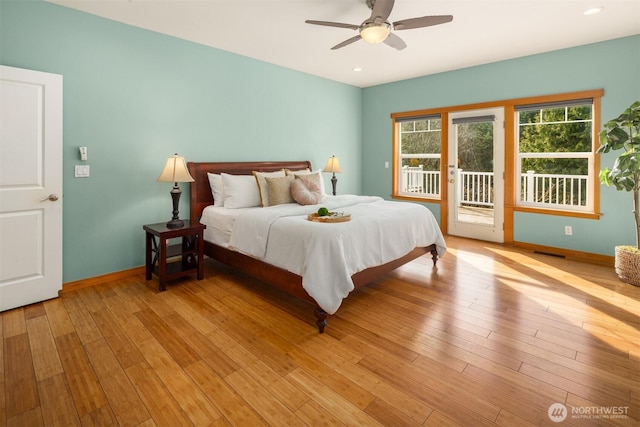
{"points": [[274, 31]]}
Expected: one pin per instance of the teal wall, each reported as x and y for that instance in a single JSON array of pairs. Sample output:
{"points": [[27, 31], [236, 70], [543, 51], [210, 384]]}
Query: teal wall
{"points": [[134, 97], [613, 66]]}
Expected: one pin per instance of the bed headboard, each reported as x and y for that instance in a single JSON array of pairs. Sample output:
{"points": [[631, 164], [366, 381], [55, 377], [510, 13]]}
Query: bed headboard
{"points": [[201, 196]]}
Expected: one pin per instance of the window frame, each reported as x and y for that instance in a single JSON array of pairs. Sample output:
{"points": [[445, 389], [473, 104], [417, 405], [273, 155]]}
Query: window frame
{"points": [[593, 210], [589, 156], [397, 119]]}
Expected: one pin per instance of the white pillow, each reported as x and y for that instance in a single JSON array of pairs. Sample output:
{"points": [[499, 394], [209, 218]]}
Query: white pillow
{"points": [[262, 184], [217, 188], [240, 191], [314, 176]]}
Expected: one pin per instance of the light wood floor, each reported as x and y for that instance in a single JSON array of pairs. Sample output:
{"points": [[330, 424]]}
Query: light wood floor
{"points": [[494, 336]]}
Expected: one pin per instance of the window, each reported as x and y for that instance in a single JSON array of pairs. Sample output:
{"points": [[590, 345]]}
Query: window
{"points": [[555, 155], [418, 151]]}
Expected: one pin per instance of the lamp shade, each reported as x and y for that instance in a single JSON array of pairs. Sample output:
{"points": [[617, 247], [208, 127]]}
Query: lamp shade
{"points": [[175, 170], [375, 33], [333, 165]]}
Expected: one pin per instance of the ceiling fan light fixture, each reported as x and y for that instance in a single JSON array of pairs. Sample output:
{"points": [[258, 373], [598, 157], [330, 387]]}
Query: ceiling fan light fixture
{"points": [[375, 33]]}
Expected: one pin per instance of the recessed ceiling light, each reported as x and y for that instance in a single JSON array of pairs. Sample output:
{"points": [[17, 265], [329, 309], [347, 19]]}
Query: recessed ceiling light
{"points": [[593, 10], [357, 69]]}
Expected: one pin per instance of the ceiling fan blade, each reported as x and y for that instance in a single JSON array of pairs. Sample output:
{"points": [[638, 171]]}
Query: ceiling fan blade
{"points": [[395, 42], [381, 10], [332, 24], [347, 42], [424, 21]]}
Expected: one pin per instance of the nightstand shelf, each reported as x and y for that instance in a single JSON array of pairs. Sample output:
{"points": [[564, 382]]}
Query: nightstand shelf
{"points": [[170, 261]]}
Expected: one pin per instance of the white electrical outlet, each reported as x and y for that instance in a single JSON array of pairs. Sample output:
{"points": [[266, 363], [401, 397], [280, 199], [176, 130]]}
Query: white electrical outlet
{"points": [[568, 230]]}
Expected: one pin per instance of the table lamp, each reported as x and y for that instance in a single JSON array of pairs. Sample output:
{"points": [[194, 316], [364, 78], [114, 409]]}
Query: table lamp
{"points": [[175, 170], [333, 166]]}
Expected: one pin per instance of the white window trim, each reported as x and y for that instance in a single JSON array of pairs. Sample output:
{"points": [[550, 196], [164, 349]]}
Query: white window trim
{"points": [[589, 155], [436, 175]]}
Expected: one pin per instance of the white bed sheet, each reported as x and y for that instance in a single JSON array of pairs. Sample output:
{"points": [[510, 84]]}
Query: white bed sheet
{"points": [[219, 221], [327, 255]]}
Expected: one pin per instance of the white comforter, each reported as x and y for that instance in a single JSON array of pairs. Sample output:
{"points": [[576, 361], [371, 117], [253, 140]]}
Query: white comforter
{"points": [[326, 255]]}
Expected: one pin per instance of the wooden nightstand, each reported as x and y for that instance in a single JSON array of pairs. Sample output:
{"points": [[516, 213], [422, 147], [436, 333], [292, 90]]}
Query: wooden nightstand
{"points": [[169, 261]]}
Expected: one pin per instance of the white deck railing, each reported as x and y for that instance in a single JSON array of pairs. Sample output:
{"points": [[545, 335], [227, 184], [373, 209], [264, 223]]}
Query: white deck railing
{"points": [[552, 189], [476, 188], [417, 181]]}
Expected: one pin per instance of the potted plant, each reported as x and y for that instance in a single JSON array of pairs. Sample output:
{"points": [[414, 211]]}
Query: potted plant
{"points": [[623, 133]]}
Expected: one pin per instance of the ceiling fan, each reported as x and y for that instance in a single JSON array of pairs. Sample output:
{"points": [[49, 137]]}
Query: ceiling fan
{"points": [[376, 28]]}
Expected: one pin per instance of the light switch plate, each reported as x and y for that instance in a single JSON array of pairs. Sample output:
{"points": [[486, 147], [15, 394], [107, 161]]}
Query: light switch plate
{"points": [[82, 171]]}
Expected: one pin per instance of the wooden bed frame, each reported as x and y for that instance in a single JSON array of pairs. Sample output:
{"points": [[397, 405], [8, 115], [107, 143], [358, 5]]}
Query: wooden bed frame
{"points": [[284, 280]]}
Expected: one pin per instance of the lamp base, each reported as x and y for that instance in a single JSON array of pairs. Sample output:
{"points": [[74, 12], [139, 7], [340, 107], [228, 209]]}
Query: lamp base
{"points": [[334, 182], [175, 223]]}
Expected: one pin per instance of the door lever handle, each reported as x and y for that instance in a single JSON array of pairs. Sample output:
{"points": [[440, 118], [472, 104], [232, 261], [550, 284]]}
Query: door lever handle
{"points": [[51, 197]]}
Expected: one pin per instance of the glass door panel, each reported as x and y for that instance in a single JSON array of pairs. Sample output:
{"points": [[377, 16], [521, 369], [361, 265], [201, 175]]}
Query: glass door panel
{"points": [[475, 171]]}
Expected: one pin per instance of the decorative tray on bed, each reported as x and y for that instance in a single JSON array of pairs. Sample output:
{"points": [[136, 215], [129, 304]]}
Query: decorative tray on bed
{"points": [[332, 217]]}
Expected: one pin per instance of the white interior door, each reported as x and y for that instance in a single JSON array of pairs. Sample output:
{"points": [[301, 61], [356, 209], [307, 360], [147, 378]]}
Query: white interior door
{"points": [[30, 186], [476, 174]]}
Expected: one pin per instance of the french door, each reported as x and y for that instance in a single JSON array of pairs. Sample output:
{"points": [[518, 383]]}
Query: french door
{"points": [[475, 174]]}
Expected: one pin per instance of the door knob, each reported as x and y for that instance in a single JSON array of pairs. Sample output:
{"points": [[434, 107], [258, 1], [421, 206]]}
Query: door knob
{"points": [[51, 197], [452, 180]]}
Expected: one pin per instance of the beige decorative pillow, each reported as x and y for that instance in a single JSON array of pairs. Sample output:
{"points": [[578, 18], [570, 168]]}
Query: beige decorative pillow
{"points": [[262, 184], [314, 176], [305, 191], [279, 190]]}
